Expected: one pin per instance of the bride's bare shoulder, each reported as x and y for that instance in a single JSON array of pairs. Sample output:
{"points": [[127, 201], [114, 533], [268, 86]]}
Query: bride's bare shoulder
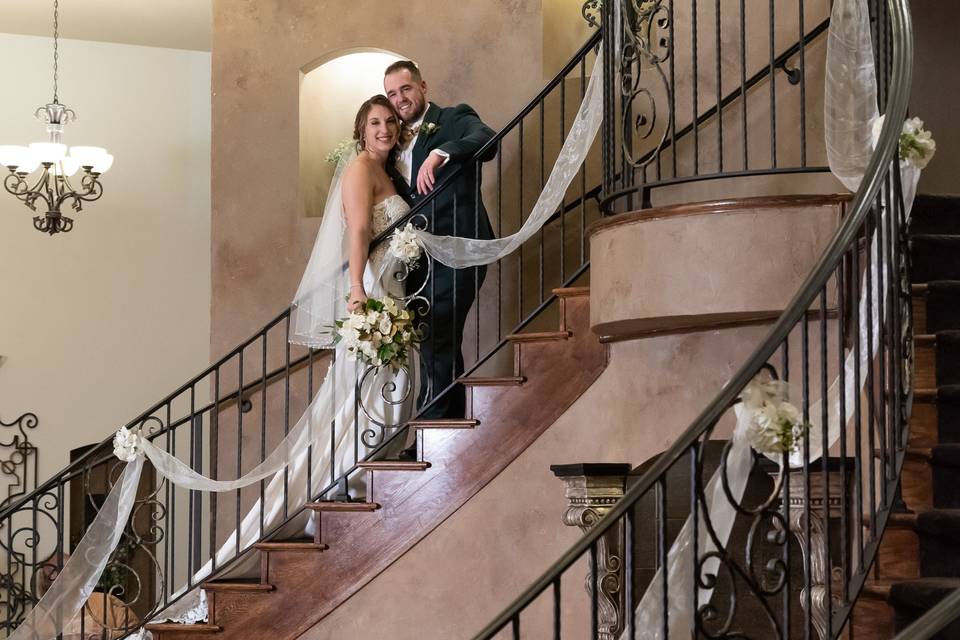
{"points": [[360, 170]]}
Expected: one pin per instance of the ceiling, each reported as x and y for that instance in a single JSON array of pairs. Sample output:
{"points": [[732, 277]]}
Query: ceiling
{"points": [[175, 24]]}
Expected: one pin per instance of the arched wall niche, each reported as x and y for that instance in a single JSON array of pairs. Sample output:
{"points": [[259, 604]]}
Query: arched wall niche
{"points": [[332, 88]]}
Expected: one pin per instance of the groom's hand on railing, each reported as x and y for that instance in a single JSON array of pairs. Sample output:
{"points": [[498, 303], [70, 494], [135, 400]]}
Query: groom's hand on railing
{"points": [[426, 178]]}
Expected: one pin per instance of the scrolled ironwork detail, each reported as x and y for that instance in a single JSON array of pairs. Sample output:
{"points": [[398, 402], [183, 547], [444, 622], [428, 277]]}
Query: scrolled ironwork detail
{"points": [[646, 45], [591, 12]]}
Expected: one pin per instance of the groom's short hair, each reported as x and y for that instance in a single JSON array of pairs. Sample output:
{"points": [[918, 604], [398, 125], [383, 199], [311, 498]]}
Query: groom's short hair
{"points": [[409, 65]]}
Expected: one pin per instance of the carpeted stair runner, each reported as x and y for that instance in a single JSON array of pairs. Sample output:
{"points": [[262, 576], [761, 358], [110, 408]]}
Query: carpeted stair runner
{"points": [[935, 250], [943, 305]]}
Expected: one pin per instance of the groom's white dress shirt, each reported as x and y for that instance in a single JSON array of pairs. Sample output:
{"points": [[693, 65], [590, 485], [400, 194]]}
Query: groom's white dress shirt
{"points": [[405, 157]]}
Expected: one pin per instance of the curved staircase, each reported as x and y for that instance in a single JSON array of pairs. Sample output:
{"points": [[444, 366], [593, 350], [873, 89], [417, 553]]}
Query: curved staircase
{"points": [[407, 499]]}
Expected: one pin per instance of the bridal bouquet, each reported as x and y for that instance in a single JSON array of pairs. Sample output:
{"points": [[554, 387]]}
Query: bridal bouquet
{"points": [[776, 425], [405, 247], [378, 333]]}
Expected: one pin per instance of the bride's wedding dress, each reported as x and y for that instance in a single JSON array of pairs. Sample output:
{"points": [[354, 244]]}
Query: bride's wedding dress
{"points": [[332, 408]]}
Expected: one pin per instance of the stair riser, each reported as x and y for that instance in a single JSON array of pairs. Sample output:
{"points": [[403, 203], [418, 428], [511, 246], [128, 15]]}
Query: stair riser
{"points": [[932, 214], [926, 365], [897, 558], [924, 426], [942, 312], [946, 360], [945, 483], [938, 556], [917, 484], [935, 259], [872, 619], [948, 420]]}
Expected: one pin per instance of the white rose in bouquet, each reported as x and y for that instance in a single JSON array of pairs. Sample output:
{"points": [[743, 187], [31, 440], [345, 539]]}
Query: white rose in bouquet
{"points": [[379, 333]]}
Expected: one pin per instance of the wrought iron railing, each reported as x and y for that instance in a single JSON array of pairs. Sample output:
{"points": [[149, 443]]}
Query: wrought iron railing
{"points": [[810, 532]]}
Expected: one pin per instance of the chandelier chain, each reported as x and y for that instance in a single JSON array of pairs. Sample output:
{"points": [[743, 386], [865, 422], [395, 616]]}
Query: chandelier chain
{"points": [[56, 53]]}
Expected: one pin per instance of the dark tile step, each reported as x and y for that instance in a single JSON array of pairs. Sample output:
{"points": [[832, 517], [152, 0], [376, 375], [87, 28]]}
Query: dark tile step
{"points": [[910, 599], [938, 531], [943, 305], [935, 257], [935, 214]]}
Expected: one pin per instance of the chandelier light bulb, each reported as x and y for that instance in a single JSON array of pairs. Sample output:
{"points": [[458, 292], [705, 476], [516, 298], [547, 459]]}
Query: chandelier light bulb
{"points": [[29, 164], [88, 156], [48, 151], [14, 155], [65, 167], [104, 164]]}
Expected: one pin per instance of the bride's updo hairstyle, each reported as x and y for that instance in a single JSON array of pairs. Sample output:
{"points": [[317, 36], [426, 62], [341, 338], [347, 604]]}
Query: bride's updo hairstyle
{"points": [[360, 123]]}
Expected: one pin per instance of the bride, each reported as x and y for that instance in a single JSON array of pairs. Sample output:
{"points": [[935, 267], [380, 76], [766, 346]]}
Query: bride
{"points": [[357, 404]]}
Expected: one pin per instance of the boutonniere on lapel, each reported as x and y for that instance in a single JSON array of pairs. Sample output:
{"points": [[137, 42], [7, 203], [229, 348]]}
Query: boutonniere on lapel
{"points": [[429, 128]]}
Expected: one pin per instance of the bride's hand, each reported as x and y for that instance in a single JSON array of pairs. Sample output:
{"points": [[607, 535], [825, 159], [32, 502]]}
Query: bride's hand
{"points": [[358, 298]]}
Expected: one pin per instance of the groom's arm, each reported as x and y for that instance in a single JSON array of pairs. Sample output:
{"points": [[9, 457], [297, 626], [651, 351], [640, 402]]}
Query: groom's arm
{"points": [[470, 135]]}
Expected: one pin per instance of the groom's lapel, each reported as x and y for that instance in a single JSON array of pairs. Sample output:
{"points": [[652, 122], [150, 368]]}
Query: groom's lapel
{"points": [[421, 148]]}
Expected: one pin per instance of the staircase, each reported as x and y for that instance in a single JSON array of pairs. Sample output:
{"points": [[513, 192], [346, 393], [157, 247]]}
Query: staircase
{"points": [[405, 500], [919, 561]]}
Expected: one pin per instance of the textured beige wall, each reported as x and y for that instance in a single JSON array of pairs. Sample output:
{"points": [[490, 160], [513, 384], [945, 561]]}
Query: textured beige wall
{"points": [[679, 270], [487, 54], [100, 322]]}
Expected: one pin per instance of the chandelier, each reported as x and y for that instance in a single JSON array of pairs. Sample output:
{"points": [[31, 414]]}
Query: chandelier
{"points": [[40, 174]]}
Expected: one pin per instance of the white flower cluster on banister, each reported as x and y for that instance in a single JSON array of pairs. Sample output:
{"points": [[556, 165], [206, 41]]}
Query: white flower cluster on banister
{"points": [[405, 247], [378, 333], [776, 425], [917, 145], [127, 445]]}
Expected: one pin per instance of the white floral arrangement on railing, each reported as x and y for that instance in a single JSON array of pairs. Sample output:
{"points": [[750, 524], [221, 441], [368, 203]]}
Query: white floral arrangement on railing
{"points": [[379, 333], [126, 444], [776, 426], [917, 145], [405, 247]]}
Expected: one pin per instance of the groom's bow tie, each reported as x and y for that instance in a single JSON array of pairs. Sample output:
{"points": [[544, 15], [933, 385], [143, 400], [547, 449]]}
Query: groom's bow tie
{"points": [[409, 133]]}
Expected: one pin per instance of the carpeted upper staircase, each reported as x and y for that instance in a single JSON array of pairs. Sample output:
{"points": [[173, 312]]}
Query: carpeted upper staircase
{"points": [[919, 561]]}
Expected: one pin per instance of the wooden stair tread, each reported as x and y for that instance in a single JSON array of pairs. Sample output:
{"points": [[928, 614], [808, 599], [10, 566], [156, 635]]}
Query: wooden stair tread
{"points": [[925, 453], [918, 289], [394, 465], [876, 590], [440, 423], [236, 585], [179, 627], [304, 544], [502, 381], [926, 396], [896, 521], [926, 339], [541, 336], [329, 505], [571, 292]]}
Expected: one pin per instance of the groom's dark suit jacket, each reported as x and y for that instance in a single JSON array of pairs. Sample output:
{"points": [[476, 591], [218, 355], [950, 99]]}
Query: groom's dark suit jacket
{"points": [[457, 211], [460, 133]]}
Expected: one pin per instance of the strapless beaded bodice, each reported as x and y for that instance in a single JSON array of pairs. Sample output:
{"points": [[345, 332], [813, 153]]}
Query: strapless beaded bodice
{"points": [[385, 213]]}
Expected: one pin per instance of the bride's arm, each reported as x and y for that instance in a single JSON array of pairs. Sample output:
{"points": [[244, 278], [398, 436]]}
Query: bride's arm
{"points": [[357, 203]]}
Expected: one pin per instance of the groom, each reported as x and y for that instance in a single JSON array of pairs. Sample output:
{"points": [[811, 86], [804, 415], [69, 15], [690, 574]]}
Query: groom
{"points": [[439, 140]]}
